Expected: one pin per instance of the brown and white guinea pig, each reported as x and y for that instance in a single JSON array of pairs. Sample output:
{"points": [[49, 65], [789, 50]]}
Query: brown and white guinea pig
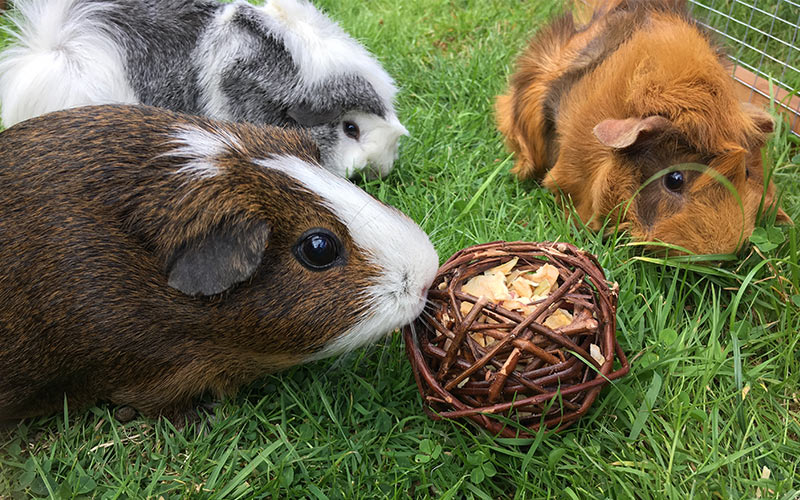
{"points": [[597, 110], [148, 257]]}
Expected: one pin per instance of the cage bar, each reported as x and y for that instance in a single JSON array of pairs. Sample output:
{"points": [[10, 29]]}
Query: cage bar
{"points": [[764, 47]]}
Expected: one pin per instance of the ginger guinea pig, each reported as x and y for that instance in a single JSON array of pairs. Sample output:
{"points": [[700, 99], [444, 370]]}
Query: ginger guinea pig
{"points": [[284, 63], [149, 257], [597, 110]]}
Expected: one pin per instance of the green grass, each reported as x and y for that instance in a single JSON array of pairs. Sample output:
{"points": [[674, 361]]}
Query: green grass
{"points": [[678, 426]]}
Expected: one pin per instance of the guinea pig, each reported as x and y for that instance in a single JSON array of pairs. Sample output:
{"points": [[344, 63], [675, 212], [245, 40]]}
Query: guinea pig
{"points": [[150, 257], [598, 110], [284, 63]]}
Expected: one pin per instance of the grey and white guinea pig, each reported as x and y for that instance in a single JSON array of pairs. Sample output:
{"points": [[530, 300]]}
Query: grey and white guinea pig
{"points": [[284, 63], [149, 257]]}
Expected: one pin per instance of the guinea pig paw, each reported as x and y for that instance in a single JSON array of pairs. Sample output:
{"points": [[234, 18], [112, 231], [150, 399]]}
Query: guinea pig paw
{"points": [[125, 414], [199, 416]]}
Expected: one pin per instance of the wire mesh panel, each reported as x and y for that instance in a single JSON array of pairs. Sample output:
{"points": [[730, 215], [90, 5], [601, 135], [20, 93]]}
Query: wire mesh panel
{"points": [[763, 38]]}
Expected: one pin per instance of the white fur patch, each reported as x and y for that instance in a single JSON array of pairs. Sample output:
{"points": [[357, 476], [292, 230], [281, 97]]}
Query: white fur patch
{"points": [[376, 147], [392, 241], [201, 148], [321, 48], [60, 57]]}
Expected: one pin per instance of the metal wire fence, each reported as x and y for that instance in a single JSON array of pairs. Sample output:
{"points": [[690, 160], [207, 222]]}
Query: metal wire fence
{"points": [[763, 39]]}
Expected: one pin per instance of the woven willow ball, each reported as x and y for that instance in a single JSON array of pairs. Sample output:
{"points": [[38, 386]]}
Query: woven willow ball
{"points": [[476, 359]]}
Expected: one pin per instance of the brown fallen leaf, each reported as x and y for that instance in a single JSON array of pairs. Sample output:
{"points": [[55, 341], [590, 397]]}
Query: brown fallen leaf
{"points": [[596, 354], [491, 286], [505, 268], [559, 318]]}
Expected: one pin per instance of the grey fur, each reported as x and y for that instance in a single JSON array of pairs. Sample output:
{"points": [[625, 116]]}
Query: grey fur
{"points": [[158, 38], [161, 40]]}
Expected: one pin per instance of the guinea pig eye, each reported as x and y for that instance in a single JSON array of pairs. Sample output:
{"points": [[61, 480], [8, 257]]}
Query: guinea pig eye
{"points": [[318, 249], [351, 130], [674, 181]]}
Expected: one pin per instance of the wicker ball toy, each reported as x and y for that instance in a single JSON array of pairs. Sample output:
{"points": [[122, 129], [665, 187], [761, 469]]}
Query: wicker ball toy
{"points": [[474, 357]]}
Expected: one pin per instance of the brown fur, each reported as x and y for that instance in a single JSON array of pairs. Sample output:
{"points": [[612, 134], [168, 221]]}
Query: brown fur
{"points": [[91, 215], [577, 92]]}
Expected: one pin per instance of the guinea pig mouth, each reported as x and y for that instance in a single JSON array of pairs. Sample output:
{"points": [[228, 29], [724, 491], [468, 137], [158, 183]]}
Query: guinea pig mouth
{"points": [[375, 166], [379, 169]]}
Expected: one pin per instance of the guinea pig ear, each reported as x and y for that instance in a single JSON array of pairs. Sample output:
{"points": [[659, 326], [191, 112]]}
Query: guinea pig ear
{"points": [[762, 119], [619, 134], [306, 117], [227, 255]]}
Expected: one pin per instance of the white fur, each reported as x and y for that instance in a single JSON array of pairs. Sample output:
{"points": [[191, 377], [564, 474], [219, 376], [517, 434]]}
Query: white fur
{"points": [[201, 148], [321, 48], [392, 241], [59, 57], [376, 147]]}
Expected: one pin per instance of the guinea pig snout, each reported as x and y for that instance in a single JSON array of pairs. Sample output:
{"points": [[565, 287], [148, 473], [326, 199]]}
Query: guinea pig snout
{"points": [[396, 298], [719, 226], [422, 291], [376, 147], [411, 292], [382, 159]]}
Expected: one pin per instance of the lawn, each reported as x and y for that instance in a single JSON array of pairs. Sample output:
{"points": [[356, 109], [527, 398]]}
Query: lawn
{"points": [[711, 408]]}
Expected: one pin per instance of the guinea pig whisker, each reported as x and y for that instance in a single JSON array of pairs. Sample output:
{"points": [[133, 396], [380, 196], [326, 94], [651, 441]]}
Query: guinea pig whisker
{"points": [[387, 342], [339, 361], [426, 314], [358, 213]]}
